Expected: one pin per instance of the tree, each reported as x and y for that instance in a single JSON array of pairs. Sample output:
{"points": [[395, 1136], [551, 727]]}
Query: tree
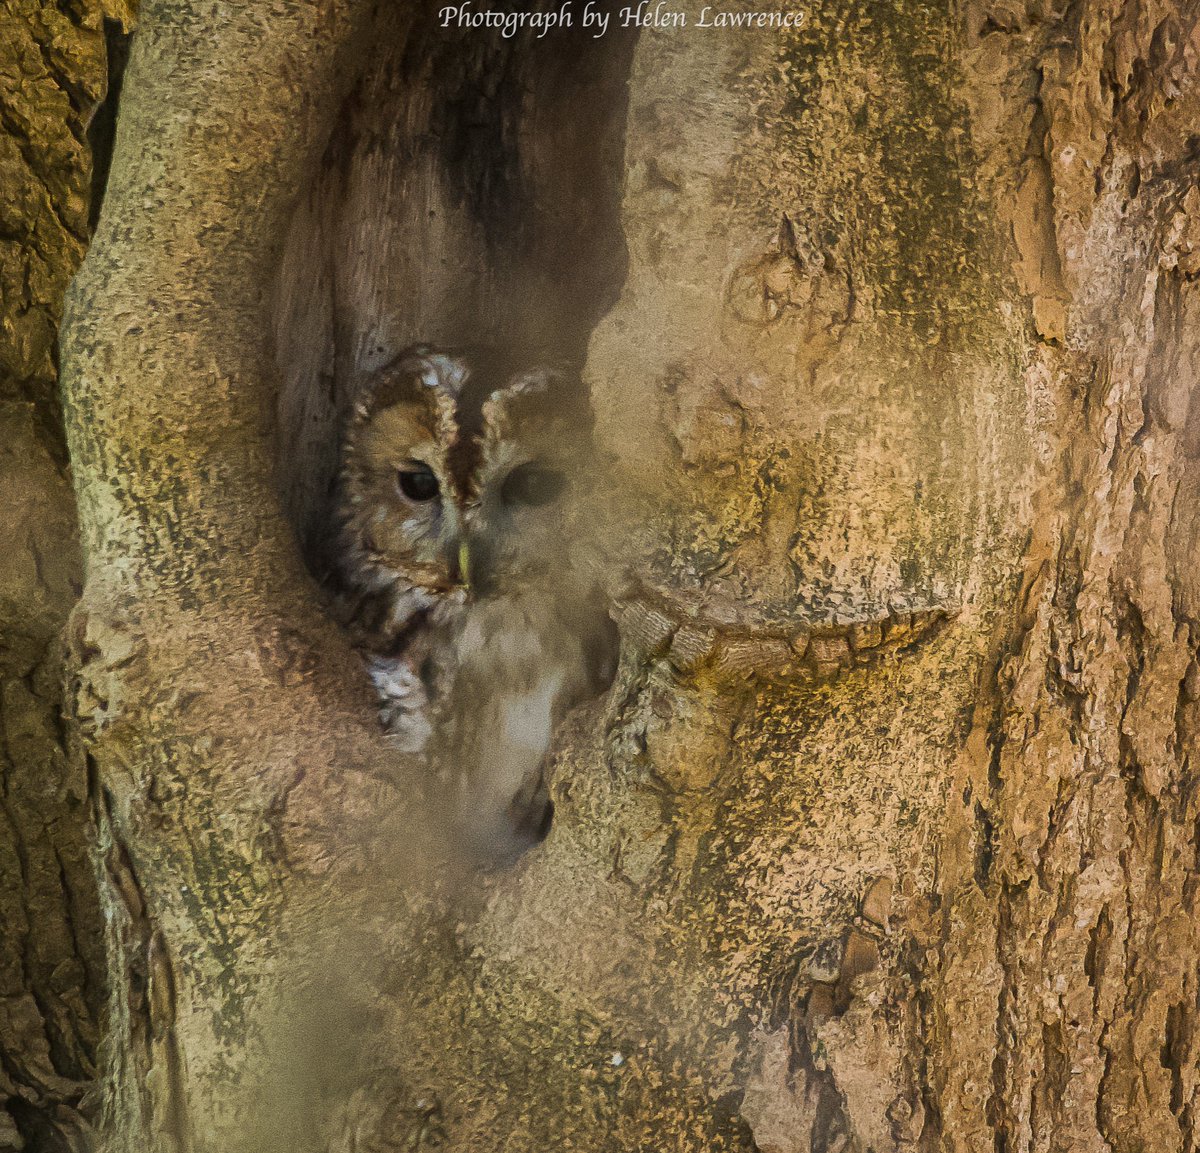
{"points": [[885, 836]]}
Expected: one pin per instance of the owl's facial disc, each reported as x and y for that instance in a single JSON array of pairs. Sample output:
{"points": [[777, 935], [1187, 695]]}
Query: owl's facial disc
{"points": [[464, 479]]}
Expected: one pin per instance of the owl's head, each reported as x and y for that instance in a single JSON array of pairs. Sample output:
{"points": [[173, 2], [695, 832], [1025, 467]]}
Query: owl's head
{"points": [[460, 472]]}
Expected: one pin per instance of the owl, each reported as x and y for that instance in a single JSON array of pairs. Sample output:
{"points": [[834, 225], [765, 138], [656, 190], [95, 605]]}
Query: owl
{"points": [[465, 479]]}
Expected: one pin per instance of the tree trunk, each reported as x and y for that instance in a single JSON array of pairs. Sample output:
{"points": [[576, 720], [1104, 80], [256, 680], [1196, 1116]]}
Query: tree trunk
{"points": [[885, 836], [52, 971]]}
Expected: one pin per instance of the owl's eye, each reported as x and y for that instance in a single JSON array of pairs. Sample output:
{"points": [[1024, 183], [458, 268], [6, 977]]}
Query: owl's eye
{"points": [[532, 485], [418, 483]]}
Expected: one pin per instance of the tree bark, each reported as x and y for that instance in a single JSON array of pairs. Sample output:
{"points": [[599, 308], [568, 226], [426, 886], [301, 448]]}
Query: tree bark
{"points": [[885, 837], [52, 972]]}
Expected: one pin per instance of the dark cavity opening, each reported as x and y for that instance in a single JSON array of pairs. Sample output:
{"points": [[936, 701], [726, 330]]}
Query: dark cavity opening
{"points": [[102, 127], [470, 194]]}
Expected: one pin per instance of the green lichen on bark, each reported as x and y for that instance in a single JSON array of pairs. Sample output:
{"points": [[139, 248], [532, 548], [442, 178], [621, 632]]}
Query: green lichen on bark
{"points": [[875, 128]]}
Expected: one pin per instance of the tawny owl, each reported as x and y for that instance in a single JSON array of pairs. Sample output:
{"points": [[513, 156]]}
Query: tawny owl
{"points": [[462, 489]]}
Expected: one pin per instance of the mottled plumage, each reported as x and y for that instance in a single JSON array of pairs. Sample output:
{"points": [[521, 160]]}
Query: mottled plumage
{"points": [[464, 479]]}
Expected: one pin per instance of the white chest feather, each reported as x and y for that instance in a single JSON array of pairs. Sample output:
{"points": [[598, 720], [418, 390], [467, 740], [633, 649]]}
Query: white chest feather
{"points": [[516, 675]]}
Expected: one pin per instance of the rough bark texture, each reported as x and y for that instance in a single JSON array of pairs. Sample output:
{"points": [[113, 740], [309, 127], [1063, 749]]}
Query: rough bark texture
{"points": [[1074, 949], [52, 974], [886, 836]]}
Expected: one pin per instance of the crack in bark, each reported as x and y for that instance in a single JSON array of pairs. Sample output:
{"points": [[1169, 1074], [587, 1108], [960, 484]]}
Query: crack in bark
{"points": [[660, 625]]}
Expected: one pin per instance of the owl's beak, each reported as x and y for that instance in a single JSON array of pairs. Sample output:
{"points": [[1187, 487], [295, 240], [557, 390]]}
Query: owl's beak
{"points": [[464, 565], [468, 566]]}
